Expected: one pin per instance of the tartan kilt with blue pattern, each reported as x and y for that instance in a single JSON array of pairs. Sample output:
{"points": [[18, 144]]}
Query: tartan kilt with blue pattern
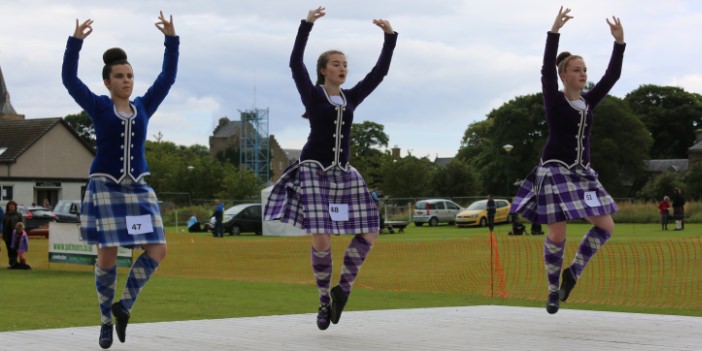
{"points": [[554, 193], [303, 194], [107, 204]]}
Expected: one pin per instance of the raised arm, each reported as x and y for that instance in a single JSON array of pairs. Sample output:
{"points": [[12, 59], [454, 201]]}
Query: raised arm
{"points": [[69, 71], [614, 68], [549, 73], [371, 81], [299, 72], [158, 91]]}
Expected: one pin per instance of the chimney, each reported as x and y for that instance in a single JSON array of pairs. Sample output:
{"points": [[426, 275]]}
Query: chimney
{"points": [[396, 153]]}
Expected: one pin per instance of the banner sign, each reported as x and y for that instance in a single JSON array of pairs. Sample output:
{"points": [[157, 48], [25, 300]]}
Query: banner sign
{"points": [[65, 246]]}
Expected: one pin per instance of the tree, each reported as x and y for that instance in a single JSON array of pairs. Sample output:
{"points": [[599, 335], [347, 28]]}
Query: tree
{"points": [[618, 157], [519, 122], [671, 115], [619, 146], [661, 185], [407, 177], [693, 181], [83, 125], [182, 169], [456, 179], [366, 140]]}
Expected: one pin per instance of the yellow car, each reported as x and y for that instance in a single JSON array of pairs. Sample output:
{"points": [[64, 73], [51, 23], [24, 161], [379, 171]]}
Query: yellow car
{"points": [[476, 213]]}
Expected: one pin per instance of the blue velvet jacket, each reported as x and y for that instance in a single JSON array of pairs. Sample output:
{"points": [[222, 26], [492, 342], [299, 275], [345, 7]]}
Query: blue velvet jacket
{"points": [[568, 141], [329, 141], [120, 141]]}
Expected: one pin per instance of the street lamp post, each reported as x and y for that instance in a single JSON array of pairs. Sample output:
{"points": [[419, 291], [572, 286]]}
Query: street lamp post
{"points": [[190, 184], [508, 148]]}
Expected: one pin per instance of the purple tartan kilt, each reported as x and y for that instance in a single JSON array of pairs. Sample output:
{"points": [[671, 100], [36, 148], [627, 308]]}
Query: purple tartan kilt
{"points": [[107, 204], [554, 193], [303, 194]]}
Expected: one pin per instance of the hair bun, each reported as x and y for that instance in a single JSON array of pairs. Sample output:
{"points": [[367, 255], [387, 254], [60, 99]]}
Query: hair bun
{"points": [[562, 56], [113, 54]]}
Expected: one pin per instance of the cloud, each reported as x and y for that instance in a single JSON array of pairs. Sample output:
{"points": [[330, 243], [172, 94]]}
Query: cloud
{"points": [[455, 60]]}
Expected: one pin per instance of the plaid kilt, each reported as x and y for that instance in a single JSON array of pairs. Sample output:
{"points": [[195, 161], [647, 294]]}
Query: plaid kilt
{"points": [[554, 193], [303, 194], [106, 205]]}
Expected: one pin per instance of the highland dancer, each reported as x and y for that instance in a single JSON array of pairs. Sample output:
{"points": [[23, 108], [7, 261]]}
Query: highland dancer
{"points": [[119, 207], [322, 193], [563, 186]]}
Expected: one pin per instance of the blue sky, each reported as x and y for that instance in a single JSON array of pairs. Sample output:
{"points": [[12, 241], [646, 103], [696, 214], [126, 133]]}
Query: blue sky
{"points": [[455, 61]]}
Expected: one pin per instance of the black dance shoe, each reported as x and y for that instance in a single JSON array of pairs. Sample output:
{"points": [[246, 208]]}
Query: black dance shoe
{"points": [[121, 320], [105, 340], [338, 303], [323, 317], [567, 284], [553, 304]]}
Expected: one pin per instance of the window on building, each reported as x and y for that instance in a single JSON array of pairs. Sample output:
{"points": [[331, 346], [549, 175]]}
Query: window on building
{"points": [[6, 192]]}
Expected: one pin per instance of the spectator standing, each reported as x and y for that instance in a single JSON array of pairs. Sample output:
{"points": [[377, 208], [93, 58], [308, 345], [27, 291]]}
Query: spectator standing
{"points": [[491, 209], [218, 214], [9, 222], [678, 209], [664, 211]]}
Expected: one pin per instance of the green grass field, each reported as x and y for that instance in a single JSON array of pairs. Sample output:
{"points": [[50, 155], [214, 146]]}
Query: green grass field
{"points": [[642, 269]]}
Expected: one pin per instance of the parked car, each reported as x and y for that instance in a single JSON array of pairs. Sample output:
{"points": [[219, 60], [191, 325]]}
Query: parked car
{"points": [[67, 211], [241, 218], [476, 213], [36, 220], [435, 211]]}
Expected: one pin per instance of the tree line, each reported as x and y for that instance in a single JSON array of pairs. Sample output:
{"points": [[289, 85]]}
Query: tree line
{"points": [[651, 122]]}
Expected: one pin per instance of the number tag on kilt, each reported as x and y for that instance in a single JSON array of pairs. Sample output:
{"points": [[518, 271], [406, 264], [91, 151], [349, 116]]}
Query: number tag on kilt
{"points": [[139, 225], [591, 199], [339, 212]]}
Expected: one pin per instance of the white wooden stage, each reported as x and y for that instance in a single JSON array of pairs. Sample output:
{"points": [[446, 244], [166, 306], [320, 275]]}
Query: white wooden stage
{"points": [[450, 328]]}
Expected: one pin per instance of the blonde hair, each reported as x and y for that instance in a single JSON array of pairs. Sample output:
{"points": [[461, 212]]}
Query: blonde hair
{"points": [[19, 226]]}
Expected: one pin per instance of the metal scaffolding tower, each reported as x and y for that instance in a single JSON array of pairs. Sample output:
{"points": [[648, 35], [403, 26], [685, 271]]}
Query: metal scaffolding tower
{"points": [[254, 142]]}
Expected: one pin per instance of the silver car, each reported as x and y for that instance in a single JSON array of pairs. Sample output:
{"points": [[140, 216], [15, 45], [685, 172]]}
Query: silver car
{"points": [[435, 211]]}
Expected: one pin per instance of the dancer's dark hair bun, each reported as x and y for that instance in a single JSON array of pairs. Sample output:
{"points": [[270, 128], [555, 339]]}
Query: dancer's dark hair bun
{"points": [[562, 56], [114, 55]]}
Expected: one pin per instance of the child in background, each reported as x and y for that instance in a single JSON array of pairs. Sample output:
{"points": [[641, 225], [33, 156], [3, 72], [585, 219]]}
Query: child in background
{"points": [[21, 244], [664, 211]]}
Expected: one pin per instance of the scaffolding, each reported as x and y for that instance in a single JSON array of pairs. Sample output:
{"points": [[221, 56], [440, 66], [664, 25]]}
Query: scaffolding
{"points": [[254, 142]]}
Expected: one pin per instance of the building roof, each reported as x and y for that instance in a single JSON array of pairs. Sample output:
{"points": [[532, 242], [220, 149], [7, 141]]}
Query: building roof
{"points": [[442, 161], [675, 165], [5, 106], [17, 136], [227, 128]]}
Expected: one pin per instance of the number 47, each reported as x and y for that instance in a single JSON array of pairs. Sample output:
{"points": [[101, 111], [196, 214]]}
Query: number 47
{"points": [[136, 226]]}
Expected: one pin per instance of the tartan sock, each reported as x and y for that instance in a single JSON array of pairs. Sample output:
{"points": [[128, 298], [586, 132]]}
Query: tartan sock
{"points": [[322, 269], [105, 281], [353, 260], [553, 258], [141, 271], [592, 241]]}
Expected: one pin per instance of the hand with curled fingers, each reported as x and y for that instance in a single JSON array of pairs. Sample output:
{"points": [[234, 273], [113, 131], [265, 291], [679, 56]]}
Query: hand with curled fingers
{"points": [[83, 29], [315, 14], [617, 30], [384, 25], [165, 26], [561, 19]]}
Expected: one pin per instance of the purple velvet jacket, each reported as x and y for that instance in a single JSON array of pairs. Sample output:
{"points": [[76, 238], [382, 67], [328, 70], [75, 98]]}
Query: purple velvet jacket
{"points": [[568, 141], [329, 140]]}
